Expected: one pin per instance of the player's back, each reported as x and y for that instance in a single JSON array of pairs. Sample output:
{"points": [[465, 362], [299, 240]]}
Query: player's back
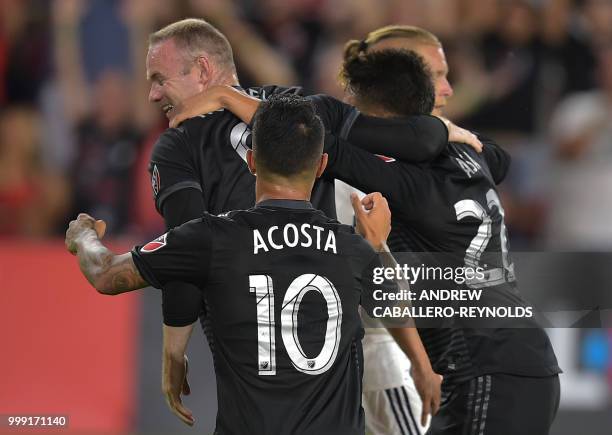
{"points": [[454, 207], [455, 216], [283, 290]]}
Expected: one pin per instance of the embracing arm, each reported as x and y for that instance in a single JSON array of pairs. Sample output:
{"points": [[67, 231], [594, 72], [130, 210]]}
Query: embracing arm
{"points": [[107, 272], [414, 139], [217, 97]]}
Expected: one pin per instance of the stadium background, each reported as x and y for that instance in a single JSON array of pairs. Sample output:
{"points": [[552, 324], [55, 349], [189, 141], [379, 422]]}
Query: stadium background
{"points": [[76, 132]]}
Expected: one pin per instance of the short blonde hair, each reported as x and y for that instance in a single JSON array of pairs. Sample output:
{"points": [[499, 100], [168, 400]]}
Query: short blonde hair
{"points": [[197, 36], [416, 34]]}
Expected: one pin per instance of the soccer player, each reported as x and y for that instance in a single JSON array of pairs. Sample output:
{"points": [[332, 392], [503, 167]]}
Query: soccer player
{"points": [[283, 284], [200, 166], [496, 380]]}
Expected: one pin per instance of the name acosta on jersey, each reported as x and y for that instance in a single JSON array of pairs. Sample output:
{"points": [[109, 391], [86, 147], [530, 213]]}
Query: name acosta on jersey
{"points": [[307, 236]]}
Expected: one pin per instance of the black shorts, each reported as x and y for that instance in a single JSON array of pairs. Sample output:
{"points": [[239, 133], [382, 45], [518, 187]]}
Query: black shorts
{"points": [[499, 404]]}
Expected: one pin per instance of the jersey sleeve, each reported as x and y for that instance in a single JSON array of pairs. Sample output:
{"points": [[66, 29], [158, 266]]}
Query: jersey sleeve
{"points": [[172, 167], [415, 139], [268, 90], [182, 254], [397, 181], [412, 139], [335, 114], [181, 207], [497, 159]]}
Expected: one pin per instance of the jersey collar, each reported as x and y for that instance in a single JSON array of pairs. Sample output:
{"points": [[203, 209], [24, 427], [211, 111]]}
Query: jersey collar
{"points": [[286, 203]]}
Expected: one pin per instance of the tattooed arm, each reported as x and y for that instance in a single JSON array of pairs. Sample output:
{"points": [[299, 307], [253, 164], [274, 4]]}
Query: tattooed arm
{"points": [[109, 273]]}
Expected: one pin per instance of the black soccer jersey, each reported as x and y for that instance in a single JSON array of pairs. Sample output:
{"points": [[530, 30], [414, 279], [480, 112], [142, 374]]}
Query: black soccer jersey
{"points": [[208, 153], [201, 166], [450, 205], [282, 283]]}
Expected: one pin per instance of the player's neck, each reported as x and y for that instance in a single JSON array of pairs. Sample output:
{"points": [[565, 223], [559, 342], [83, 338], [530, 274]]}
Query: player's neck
{"points": [[373, 109], [265, 190], [225, 79]]}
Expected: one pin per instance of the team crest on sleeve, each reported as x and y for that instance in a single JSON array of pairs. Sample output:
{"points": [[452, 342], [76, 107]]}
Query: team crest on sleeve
{"points": [[385, 158], [156, 244], [155, 181]]}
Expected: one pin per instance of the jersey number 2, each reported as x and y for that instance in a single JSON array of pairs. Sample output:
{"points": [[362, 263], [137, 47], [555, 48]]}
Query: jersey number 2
{"points": [[263, 288], [471, 208]]}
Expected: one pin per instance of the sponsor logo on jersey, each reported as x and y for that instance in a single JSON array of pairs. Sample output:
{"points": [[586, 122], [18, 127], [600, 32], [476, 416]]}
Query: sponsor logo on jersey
{"points": [[156, 244], [385, 158], [155, 181]]}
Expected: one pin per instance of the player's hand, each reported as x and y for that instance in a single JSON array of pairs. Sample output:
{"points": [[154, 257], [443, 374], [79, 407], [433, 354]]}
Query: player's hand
{"points": [[373, 218], [199, 104], [429, 386], [173, 391], [81, 225], [458, 134]]}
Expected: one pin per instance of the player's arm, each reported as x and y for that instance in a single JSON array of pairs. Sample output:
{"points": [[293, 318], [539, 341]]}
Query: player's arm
{"points": [[109, 273], [181, 301], [215, 98], [413, 139], [398, 182], [175, 367], [373, 219], [427, 382], [178, 198]]}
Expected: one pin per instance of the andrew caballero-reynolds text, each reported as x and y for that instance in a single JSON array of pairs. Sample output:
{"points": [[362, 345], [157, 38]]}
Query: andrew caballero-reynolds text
{"points": [[402, 299]]}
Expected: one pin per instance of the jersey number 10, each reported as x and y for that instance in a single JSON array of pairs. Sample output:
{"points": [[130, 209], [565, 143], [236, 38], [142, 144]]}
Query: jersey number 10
{"points": [[263, 288]]}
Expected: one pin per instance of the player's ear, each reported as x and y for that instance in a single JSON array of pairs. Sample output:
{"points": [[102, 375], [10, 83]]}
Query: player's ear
{"points": [[251, 162], [205, 69], [322, 165]]}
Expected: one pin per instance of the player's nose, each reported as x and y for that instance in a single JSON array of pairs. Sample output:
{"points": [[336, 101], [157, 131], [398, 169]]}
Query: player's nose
{"points": [[447, 89], [155, 94]]}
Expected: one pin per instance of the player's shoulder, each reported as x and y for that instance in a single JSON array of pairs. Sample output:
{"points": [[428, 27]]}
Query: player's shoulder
{"points": [[263, 92], [193, 132], [210, 226], [229, 222], [201, 124], [349, 240]]}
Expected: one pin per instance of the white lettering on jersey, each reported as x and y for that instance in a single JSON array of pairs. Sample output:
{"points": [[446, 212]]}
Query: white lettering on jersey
{"points": [[308, 243], [467, 163], [270, 240], [330, 244], [258, 242], [291, 237]]}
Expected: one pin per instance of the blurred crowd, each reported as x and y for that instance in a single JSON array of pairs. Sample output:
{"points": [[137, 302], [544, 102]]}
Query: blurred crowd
{"points": [[76, 128]]}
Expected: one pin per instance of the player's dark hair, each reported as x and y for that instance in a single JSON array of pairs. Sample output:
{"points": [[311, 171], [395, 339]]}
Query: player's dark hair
{"points": [[396, 80], [287, 135]]}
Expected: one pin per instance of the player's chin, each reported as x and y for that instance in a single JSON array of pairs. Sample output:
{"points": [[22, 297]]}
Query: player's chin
{"points": [[438, 110], [170, 114]]}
